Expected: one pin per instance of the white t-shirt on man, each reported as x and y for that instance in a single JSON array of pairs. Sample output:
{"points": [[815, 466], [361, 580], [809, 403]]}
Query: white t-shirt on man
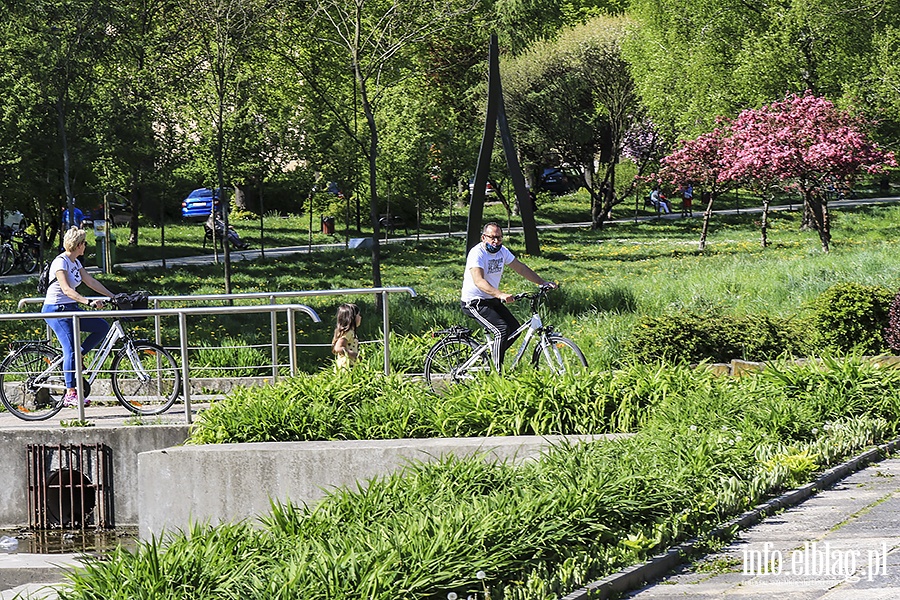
{"points": [[491, 264]]}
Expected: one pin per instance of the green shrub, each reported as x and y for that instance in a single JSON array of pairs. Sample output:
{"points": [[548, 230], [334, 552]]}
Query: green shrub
{"points": [[850, 317], [714, 337], [892, 333], [708, 451], [362, 403]]}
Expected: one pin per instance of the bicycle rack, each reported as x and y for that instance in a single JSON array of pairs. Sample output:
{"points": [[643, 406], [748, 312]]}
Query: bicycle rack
{"points": [[70, 486]]}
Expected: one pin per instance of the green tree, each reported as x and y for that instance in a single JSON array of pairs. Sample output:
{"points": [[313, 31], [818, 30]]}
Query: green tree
{"points": [[53, 52], [375, 42], [227, 34], [573, 101], [146, 66]]}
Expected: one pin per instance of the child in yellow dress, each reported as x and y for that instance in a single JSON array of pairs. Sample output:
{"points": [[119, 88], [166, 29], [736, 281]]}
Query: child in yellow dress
{"points": [[345, 344]]}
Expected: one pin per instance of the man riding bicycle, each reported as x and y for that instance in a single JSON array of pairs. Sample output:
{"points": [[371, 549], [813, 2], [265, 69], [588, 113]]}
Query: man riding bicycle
{"points": [[481, 297]]}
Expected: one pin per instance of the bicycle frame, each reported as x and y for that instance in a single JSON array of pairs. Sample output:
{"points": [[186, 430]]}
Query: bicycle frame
{"points": [[533, 327], [116, 332]]}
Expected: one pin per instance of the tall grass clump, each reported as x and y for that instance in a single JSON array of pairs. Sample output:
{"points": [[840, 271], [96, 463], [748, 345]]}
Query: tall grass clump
{"points": [[230, 359], [365, 404]]}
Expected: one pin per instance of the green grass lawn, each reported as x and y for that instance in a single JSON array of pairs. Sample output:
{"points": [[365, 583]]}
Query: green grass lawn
{"points": [[609, 277]]}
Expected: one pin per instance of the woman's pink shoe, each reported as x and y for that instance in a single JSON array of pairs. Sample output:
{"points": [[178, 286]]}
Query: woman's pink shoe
{"points": [[70, 400]]}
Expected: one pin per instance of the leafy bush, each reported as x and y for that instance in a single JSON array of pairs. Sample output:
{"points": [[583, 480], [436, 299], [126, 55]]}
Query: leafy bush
{"points": [[850, 317], [712, 336], [362, 403], [236, 214], [892, 333]]}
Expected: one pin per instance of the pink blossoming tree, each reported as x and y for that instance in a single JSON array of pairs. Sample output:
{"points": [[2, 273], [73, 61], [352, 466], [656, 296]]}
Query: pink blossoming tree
{"points": [[802, 143], [701, 162], [807, 144]]}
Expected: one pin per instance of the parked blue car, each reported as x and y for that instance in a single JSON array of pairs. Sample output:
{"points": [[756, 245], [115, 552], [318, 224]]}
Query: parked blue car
{"points": [[198, 204]]}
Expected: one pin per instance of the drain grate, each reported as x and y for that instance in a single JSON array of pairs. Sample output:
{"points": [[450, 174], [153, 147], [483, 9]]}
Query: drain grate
{"points": [[70, 486]]}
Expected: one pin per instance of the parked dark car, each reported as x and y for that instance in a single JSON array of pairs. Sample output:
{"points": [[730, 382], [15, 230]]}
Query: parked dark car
{"points": [[119, 214], [198, 204], [559, 181]]}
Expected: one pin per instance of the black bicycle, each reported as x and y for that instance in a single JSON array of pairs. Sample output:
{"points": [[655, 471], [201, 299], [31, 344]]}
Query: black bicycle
{"points": [[27, 255]]}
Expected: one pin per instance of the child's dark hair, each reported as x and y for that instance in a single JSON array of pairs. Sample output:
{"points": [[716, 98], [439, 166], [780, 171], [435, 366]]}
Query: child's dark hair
{"points": [[346, 320]]}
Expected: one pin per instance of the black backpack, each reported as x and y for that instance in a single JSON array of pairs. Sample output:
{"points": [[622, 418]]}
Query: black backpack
{"points": [[43, 283]]}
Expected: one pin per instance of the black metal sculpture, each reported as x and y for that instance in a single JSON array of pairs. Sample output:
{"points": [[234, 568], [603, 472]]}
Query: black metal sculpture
{"points": [[497, 113]]}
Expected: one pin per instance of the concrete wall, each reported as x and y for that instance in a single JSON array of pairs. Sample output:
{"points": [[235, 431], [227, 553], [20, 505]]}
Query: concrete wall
{"points": [[232, 482], [125, 442]]}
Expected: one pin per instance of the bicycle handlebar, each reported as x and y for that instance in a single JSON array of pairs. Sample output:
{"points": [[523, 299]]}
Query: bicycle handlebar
{"points": [[542, 290]]}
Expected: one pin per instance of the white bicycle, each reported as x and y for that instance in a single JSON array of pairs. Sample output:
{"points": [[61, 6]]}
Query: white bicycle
{"points": [[457, 356], [144, 376]]}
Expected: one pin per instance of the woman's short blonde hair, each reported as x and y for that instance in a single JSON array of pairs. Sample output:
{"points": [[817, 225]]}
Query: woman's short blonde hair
{"points": [[74, 237]]}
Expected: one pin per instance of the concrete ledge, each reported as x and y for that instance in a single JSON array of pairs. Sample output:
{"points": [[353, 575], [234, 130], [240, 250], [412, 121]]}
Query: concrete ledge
{"points": [[21, 569], [219, 483], [738, 367]]}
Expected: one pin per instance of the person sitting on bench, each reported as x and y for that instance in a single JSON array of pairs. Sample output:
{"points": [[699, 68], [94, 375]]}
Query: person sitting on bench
{"points": [[659, 201], [217, 223]]}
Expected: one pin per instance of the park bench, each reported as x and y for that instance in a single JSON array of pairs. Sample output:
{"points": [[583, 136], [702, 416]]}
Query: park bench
{"points": [[392, 222]]}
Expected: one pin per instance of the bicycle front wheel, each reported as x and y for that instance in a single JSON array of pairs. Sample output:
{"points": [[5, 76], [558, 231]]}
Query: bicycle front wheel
{"points": [[445, 362], [558, 354], [27, 389], [145, 378], [29, 259], [6, 260]]}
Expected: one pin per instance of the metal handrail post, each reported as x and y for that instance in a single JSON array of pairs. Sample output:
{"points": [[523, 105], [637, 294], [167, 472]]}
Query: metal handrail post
{"points": [[273, 320], [185, 369], [157, 323], [79, 381], [385, 316], [292, 341]]}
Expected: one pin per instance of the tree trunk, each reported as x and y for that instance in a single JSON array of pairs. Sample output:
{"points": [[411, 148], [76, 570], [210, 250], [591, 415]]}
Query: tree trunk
{"points": [[70, 201], [706, 216], [240, 198], [767, 199], [808, 221], [819, 211], [137, 193], [372, 153]]}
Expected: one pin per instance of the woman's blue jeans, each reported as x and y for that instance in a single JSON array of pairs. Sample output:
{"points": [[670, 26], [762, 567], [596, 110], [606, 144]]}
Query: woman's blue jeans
{"points": [[63, 330]]}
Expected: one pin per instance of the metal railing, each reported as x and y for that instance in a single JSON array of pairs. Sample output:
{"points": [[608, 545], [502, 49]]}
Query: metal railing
{"points": [[154, 310], [182, 315], [382, 292]]}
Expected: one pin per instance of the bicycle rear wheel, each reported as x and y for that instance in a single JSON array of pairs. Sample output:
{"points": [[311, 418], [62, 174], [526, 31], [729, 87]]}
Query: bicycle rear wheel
{"points": [[145, 378], [6, 260], [558, 354], [25, 390], [444, 362]]}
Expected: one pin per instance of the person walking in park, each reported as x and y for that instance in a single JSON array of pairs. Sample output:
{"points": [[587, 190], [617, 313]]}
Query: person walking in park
{"points": [[345, 343], [687, 200], [481, 298], [66, 274]]}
